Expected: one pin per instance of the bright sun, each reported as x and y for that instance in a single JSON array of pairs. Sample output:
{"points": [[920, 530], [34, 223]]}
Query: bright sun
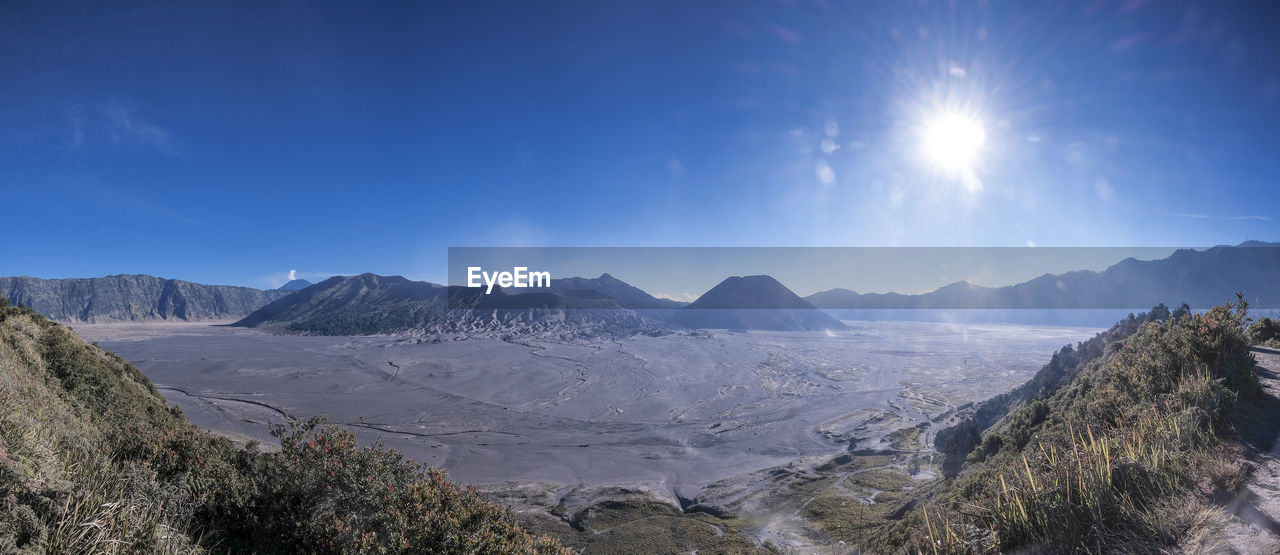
{"points": [[952, 142]]}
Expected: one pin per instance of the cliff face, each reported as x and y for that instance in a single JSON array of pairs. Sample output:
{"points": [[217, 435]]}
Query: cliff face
{"points": [[133, 298]]}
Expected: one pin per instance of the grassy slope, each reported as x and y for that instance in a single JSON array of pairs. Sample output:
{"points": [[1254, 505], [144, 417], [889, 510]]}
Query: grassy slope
{"points": [[93, 459], [959, 441], [1127, 454]]}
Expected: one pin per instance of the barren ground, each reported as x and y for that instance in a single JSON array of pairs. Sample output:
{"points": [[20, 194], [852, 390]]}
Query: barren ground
{"points": [[591, 440], [675, 412]]}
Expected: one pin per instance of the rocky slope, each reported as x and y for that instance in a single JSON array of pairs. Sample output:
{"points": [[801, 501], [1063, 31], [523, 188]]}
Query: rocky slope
{"points": [[135, 297], [626, 295]]}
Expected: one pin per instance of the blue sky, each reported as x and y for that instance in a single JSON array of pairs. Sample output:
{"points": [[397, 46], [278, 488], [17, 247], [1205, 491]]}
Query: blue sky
{"points": [[231, 142]]}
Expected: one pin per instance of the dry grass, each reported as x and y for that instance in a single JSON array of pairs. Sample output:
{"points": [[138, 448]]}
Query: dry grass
{"points": [[1127, 458], [106, 515], [66, 492], [92, 460]]}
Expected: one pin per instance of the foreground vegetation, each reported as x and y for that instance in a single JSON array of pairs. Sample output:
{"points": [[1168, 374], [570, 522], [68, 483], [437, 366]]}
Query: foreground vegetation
{"points": [[1120, 448], [93, 460]]}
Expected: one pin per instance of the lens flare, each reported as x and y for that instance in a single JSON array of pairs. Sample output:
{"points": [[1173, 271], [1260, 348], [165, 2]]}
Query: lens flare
{"points": [[953, 142]]}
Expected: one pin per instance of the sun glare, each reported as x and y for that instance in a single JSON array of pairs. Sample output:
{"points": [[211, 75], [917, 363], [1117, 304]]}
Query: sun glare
{"points": [[952, 142]]}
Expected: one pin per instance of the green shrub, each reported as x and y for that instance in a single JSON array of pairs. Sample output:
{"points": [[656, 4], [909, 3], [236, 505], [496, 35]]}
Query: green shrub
{"points": [[322, 492], [1264, 331]]}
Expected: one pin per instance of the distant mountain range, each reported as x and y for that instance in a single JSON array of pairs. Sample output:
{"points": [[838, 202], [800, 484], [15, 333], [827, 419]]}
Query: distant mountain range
{"points": [[1198, 278], [369, 303], [753, 302], [133, 298]]}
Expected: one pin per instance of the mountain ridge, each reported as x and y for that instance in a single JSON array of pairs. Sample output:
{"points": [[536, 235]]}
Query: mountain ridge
{"points": [[133, 297], [372, 304], [1199, 278]]}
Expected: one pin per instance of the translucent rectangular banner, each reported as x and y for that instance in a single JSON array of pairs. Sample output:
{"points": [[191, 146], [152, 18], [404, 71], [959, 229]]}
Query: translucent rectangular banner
{"points": [[845, 280]]}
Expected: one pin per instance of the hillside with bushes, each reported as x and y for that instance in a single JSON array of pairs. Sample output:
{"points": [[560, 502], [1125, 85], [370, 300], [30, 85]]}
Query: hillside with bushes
{"points": [[1128, 443], [92, 459], [958, 441]]}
